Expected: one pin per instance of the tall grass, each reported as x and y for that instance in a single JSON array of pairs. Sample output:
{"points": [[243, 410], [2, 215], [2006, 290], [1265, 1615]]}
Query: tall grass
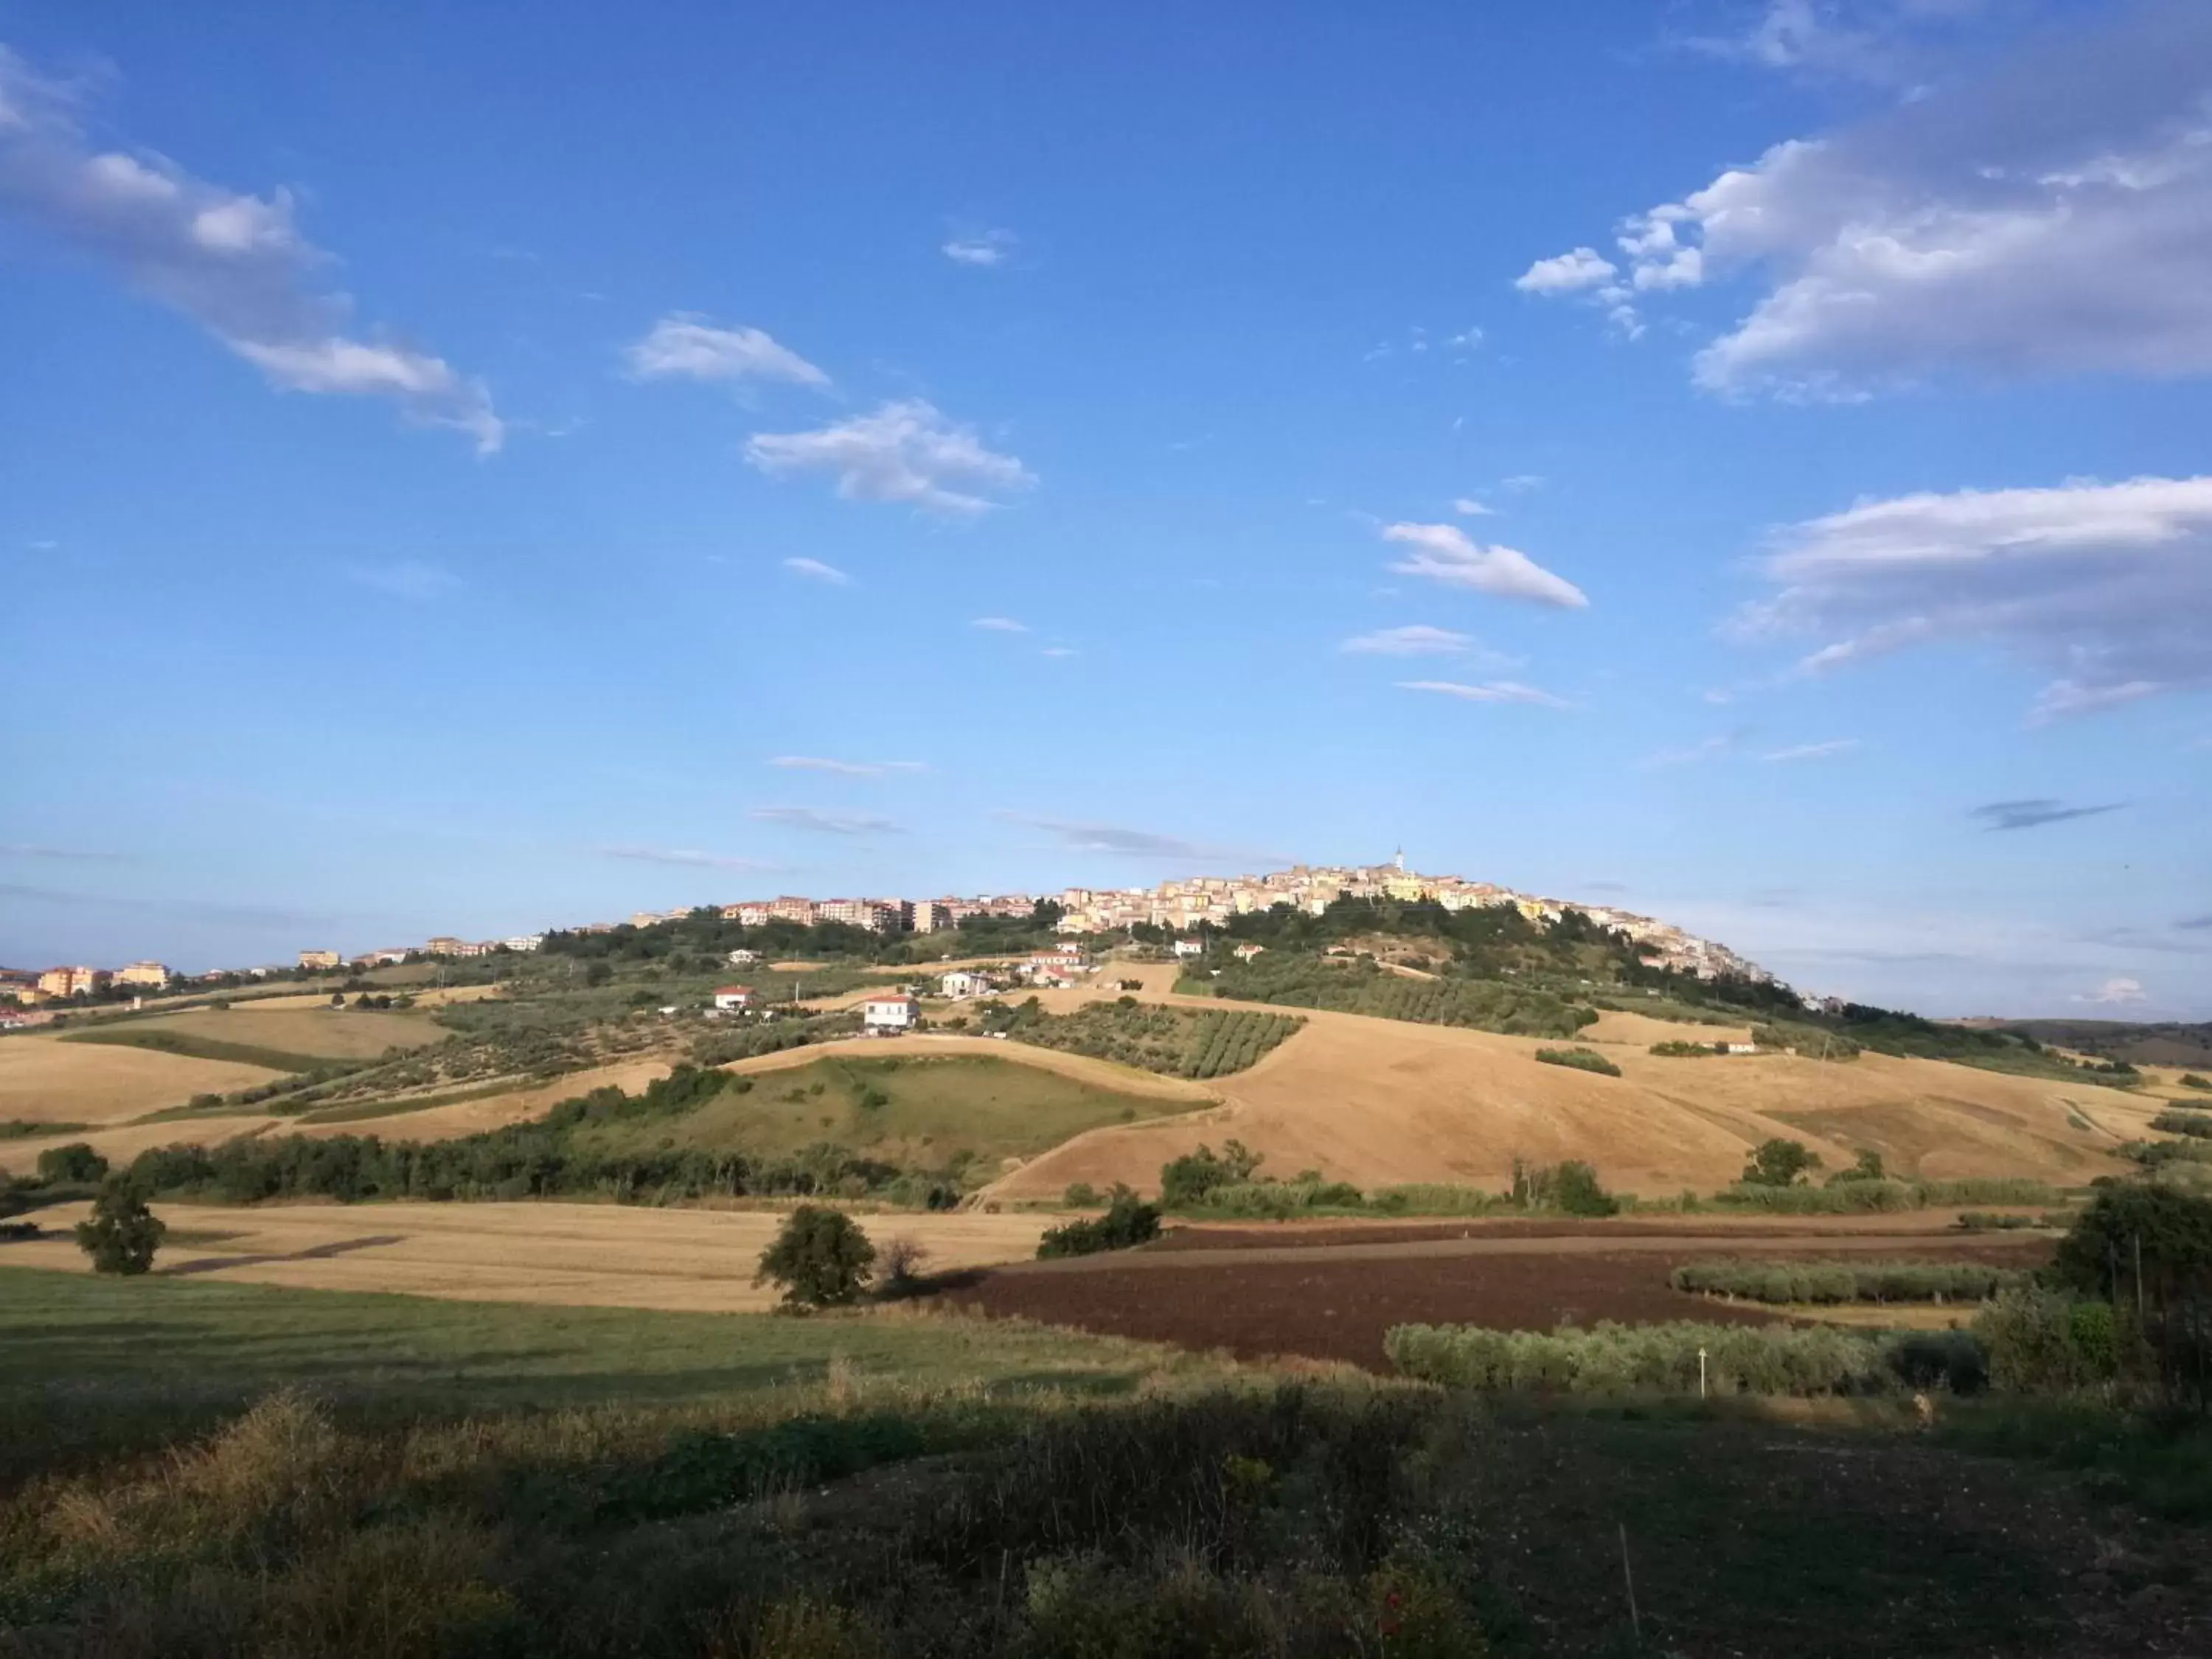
{"points": [[1853, 1197]]}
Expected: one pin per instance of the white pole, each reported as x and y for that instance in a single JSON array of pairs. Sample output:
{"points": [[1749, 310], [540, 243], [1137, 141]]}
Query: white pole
{"points": [[1701, 1373]]}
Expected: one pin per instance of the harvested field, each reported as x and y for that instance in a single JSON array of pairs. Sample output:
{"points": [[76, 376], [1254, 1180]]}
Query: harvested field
{"points": [[1336, 1300], [120, 1143], [44, 1079], [1899, 1232], [313, 1030], [577, 1255], [1100, 1073], [1380, 1103], [398, 1119]]}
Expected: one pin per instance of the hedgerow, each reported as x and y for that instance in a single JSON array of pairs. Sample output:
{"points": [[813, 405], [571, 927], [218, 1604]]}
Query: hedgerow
{"points": [[1853, 1197], [1359, 987], [1844, 1281], [1609, 1358]]}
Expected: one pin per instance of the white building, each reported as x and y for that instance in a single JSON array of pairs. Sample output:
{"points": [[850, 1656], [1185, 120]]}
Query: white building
{"points": [[525, 941], [1190, 947], [733, 999], [743, 959], [931, 915], [887, 1016], [961, 985]]}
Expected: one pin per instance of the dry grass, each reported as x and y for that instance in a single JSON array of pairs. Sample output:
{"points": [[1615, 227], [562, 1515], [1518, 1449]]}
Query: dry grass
{"points": [[518, 1104], [1379, 1102], [317, 1028], [44, 1079], [577, 1255], [1102, 1073]]}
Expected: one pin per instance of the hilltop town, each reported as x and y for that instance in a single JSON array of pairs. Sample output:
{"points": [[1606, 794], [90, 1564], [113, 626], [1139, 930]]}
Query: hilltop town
{"points": [[1180, 906]]}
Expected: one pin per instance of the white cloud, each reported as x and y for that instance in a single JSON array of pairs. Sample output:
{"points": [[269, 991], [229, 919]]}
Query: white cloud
{"points": [[1813, 751], [1468, 508], [1709, 749], [844, 768], [234, 263], [814, 570], [1059, 650], [2115, 991], [1494, 691], [1443, 553], [827, 823], [2103, 586], [2052, 216], [1567, 273], [999, 625], [1416, 640], [1521, 482], [683, 345], [990, 248], [683, 856], [906, 451]]}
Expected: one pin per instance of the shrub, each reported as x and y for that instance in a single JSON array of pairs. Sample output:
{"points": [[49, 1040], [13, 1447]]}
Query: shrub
{"points": [[1128, 1222], [2176, 1122], [1996, 1221], [76, 1161], [2190, 1080], [1778, 1163], [1583, 1060], [1571, 1186], [1868, 1167], [898, 1264], [2155, 1233], [821, 1258], [1188, 1181], [123, 1234], [1080, 1195], [2042, 1341], [1844, 1281], [1676, 1049]]}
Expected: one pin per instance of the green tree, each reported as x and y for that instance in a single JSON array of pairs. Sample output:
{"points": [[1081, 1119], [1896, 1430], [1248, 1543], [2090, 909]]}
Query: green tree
{"points": [[1191, 1179], [1778, 1163], [75, 1162], [821, 1258], [123, 1234], [1868, 1167], [2158, 1233]]}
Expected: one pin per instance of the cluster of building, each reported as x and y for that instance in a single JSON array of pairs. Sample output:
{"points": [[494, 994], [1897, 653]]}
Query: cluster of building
{"points": [[1178, 905]]}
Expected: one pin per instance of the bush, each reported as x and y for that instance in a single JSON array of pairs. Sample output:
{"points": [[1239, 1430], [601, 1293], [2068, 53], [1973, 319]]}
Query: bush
{"points": [[2041, 1341], [1189, 1181], [1571, 1186], [2176, 1122], [1615, 1359], [898, 1263], [821, 1258], [1844, 1281], [123, 1234], [1778, 1163], [76, 1161], [2161, 1235], [1582, 1060], [2190, 1080], [1080, 1195], [1676, 1049], [1128, 1222], [1855, 1197], [1867, 1168]]}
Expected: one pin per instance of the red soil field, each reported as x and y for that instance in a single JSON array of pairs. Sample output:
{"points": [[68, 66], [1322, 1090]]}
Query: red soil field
{"points": [[1337, 1305]]}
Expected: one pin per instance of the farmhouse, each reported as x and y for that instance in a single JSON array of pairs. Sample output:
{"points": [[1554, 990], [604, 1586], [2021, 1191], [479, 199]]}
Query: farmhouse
{"points": [[319, 958], [734, 998], [887, 1016], [743, 959], [961, 985], [1190, 947]]}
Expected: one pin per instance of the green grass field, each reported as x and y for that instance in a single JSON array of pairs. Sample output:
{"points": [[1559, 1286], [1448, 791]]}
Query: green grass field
{"points": [[903, 1109], [112, 1364]]}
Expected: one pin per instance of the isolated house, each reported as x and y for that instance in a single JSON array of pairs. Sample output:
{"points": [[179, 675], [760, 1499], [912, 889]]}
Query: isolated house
{"points": [[960, 985], [887, 1016], [733, 999], [1190, 947]]}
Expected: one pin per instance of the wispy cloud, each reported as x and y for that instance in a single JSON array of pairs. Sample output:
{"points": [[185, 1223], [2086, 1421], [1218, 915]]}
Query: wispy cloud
{"points": [[814, 570], [1418, 639], [75, 855], [1468, 508], [1444, 553], [846, 768], [683, 856], [1131, 843], [1571, 272], [1492, 691], [1711, 748], [1813, 751], [988, 248], [2029, 814], [1000, 625], [2195, 922], [235, 263], [1059, 650], [827, 823], [685, 346], [2115, 991], [905, 450], [406, 579]]}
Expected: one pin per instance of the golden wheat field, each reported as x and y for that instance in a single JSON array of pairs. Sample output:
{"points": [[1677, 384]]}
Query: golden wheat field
{"points": [[577, 1255], [1379, 1102], [44, 1079]]}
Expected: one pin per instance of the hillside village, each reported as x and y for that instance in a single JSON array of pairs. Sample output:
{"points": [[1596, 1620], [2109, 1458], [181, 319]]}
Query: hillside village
{"points": [[1176, 907]]}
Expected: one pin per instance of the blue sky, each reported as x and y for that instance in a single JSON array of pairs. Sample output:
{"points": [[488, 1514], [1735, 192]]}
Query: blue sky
{"points": [[1745, 462]]}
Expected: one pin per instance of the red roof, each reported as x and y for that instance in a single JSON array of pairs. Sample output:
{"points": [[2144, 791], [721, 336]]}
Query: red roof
{"points": [[733, 990]]}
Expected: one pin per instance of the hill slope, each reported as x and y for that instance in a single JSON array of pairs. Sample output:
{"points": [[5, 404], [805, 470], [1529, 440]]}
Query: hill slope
{"points": [[1379, 1102]]}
